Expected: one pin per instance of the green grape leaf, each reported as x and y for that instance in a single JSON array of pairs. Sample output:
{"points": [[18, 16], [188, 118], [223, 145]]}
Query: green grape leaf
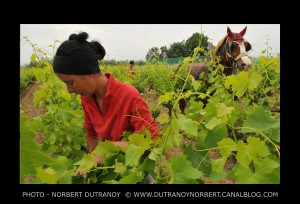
{"points": [[46, 175], [231, 81], [110, 182], [196, 84], [133, 155], [238, 84], [61, 164], [130, 179], [66, 177], [247, 153], [265, 165], [271, 178], [218, 164], [210, 110], [175, 137], [148, 165], [257, 147], [223, 110], [242, 85], [215, 135], [87, 163], [155, 153], [182, 171], [194, 108], [202, 134], [107, 175], [274, 133], [242, 156], [260, 120], [213, 123], [254, 80], [165, 98], [64, 94], [200, 160], [188, 125], [226, 146], [140, 140], [120, 168], [64, 169], [171, 135], [31, 155], [244, 175], [216, 177], [38, 95], [163, 118], [65, 115], [106, 148]]}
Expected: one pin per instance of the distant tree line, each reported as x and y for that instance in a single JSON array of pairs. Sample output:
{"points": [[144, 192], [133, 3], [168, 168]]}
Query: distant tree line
{"points": [[112, 62], [122, 62], [42, 57], [179, 49]]}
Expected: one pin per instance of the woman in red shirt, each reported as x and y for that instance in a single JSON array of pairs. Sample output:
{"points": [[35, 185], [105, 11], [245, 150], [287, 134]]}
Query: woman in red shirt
{"points": [[110, 107]]}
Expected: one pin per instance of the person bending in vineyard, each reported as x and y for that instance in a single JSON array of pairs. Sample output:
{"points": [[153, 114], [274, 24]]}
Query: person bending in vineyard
{"points": [[110, 107], [131, 69]]}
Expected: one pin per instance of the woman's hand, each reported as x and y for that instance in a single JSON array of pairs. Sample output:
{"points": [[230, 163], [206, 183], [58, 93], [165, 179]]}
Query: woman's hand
{"points": [[81, 173], [121, 144], [99, 160]]}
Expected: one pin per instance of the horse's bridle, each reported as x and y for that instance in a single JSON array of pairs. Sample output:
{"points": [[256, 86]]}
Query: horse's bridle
{"points": [[228, 54]]}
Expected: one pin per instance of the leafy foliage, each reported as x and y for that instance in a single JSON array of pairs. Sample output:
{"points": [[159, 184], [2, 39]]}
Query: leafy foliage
{"points": [[230, 115]]}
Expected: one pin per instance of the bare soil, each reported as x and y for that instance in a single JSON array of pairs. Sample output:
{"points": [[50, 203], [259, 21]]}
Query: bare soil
{"points": [[26, 100], [26, 104], [151, 97]]}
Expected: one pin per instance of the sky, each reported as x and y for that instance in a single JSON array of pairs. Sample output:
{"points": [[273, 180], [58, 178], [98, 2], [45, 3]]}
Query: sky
{"points": [[133, 41]]}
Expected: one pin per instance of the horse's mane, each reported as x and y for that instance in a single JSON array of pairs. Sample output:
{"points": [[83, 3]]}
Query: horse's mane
{"points": [[220, 43]]}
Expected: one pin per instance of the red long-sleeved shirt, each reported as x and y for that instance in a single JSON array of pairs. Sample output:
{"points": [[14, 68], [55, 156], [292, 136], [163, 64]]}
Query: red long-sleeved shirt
{"points": [[120, 102]]}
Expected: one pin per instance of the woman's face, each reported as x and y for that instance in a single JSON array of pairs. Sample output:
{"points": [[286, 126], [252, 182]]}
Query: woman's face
{"points": [[83, 85]]}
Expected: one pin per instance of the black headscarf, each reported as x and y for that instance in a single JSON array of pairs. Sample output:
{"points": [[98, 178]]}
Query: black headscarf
{"points": [[75, 66]]}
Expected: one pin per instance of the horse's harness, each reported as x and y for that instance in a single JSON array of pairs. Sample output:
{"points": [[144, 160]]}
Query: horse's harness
{"points": [[228, 54]]}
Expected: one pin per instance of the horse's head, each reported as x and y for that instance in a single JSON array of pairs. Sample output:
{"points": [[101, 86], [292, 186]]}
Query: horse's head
{"points": [[233, 51]]}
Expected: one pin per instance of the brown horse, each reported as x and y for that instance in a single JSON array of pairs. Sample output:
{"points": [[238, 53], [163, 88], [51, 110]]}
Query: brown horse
{"points": [[232, 49]]}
